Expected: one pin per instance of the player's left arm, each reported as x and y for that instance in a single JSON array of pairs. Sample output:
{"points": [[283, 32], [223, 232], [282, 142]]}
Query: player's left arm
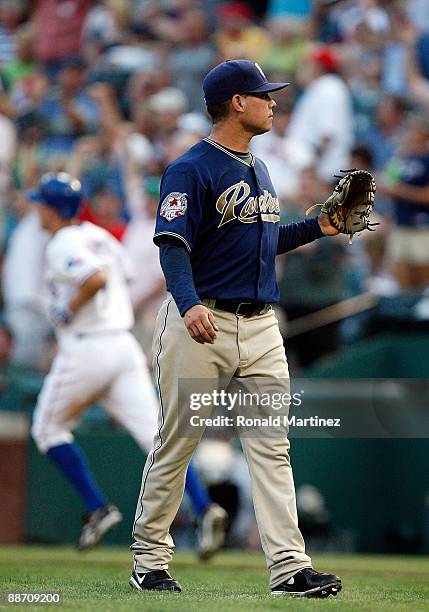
{"points": [[294, 235]]}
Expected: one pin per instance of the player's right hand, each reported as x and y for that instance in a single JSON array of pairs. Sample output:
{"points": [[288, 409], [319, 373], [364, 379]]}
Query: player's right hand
{"points": [[201, 324]]}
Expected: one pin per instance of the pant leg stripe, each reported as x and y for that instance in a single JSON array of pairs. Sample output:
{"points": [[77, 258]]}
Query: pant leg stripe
{"points": [[158, 378]]}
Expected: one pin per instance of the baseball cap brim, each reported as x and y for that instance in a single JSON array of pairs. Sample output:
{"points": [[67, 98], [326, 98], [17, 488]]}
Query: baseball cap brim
{"points": [[35, 196], [267, 87]]}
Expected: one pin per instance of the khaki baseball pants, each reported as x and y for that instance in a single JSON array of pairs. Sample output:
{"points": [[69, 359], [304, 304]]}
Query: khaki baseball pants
{"points": [[245, 347]]}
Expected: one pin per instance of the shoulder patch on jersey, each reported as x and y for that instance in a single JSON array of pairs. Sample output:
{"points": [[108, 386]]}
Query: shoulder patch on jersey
{"points": [[174, 205]]}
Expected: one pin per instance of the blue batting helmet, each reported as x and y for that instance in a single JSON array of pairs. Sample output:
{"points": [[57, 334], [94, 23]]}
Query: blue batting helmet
{"points": [[59, 191]]}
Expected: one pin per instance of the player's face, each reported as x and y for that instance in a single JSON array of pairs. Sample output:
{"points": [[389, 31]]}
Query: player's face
{"points": [[45, 216], [258, 115]]}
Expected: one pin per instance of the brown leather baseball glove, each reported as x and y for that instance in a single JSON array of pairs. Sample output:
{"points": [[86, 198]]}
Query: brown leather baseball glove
{"points": [[351, 203]]}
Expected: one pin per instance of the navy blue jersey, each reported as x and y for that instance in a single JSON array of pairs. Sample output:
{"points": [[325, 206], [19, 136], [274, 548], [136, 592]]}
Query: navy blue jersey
{"points": [[226, 211], [413, 170]]}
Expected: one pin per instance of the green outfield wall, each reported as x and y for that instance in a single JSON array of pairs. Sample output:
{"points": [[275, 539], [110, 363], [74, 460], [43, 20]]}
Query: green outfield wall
{"points": [[373, 487]]}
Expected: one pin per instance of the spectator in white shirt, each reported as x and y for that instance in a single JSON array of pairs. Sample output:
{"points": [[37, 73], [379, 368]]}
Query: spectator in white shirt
{"points": [[23, 291], [323, 116]]}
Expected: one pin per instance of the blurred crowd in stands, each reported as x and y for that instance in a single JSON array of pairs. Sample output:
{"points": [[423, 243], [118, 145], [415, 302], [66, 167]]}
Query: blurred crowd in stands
{"points": [[110, 91]]}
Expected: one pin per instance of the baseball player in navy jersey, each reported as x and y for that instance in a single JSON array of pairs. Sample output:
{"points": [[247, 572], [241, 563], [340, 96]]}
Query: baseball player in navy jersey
{"points": [[218, 232], [87, 274]]}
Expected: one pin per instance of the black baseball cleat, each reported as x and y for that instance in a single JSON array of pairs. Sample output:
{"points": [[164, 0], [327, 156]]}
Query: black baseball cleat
{"points": [[157, 580], [96, 524], [308, 583]]}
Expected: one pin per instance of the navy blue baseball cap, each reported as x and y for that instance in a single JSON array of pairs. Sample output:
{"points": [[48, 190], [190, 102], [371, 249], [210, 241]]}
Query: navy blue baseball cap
{"points": [[59, 191], [236, 77]]}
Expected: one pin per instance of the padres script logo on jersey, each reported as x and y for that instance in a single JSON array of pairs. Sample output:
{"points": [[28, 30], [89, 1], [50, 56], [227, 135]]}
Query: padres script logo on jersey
{"points": [[174, 205], [237, 194]]}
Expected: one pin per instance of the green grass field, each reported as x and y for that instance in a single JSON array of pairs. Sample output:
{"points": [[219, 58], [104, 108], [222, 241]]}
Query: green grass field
{"points": [[98, 580]]}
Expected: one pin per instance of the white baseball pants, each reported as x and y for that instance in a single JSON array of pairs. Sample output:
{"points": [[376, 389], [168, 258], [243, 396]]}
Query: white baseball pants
{"points": [[109, 369]]}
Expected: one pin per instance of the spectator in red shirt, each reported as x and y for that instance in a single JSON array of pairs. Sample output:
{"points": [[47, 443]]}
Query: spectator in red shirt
{"points": [[58, 30], [105, 210]]}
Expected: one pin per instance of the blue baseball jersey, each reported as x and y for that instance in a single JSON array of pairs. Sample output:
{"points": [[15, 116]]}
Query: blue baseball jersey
{"points": [[412, 170], [226, 212]]}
